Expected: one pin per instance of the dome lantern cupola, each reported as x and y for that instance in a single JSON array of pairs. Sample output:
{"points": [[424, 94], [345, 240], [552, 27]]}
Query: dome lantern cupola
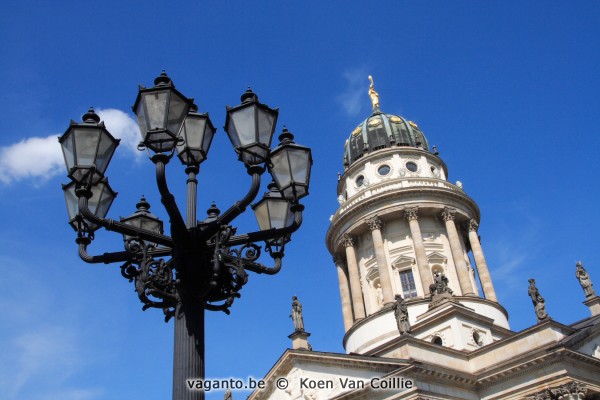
{"points": [[380, 131]]}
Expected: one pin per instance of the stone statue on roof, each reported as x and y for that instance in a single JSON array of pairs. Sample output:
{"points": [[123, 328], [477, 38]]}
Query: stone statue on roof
{"points": [[296, 315], [584, 280], [373, 95], [401, 314], [539, 304]]}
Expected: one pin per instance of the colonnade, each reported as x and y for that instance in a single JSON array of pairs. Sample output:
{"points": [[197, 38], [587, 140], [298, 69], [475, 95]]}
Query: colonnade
{"points": [[351, 296]]}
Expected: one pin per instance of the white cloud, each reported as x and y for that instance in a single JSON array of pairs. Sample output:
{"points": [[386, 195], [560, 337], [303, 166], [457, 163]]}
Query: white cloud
{"points": [[355, 97], [35, 157], [40, 158], [122, 126]]}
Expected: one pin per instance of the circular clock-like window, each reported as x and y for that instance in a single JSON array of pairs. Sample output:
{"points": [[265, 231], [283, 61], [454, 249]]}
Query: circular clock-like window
{"points": [[411, 166], [360, 180], [383, 169]]}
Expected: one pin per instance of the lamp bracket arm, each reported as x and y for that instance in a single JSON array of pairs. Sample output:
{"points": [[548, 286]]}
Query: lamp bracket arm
{"points": [[106, 258], [178, 228], [114, 257], [124, 229], [240, 206], [267, 234], [261, 269]]}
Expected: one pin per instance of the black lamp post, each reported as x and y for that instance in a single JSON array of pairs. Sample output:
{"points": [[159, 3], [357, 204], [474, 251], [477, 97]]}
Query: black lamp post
{"points": [[202, 265]]}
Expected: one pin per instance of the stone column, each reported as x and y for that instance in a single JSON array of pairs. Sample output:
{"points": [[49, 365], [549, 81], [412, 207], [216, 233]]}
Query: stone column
{"points": [[412, 216], [457, 253], [482, 269], [384, 274], [354, 276], [344, 292]]}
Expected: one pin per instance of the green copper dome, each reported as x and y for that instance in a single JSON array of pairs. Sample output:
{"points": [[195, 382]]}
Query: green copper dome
{"points": [[382, 131]]}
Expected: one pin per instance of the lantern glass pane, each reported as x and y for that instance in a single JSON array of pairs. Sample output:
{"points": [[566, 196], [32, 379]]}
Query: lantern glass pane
{"points": [[155, 226], [194, 131], [140, 113], [244, 122], [281, 168], [178, 108], [156, 106], [208, 137], [261, 213], [101, 200], [105, 151], [278, 213], [232, 133], [150, 224], [299, 161], [71, 201], [266, 126], [86, 145], [67, 148]]}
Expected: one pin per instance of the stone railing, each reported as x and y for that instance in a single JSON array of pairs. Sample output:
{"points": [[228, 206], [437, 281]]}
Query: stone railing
{"points": [[393, 185]]}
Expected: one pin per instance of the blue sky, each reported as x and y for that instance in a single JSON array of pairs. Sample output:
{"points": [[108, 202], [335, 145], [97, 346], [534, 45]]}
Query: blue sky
{"points": [[509, 93]]}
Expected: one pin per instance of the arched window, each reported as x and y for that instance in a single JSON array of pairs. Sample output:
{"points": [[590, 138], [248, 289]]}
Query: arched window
{"points": [[409, 289], [437, 340]]}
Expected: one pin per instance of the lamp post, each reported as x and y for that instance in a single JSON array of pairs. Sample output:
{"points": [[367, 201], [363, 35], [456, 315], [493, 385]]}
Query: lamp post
{"points": [[201, 265]]}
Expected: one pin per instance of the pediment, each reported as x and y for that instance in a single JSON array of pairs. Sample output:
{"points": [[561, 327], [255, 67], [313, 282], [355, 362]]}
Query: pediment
{"points": [[403, 262], [437, 258], [372, 274]]}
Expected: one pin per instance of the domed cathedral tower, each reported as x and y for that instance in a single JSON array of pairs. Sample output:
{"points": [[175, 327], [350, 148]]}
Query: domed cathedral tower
{"points": [[403, 229]]}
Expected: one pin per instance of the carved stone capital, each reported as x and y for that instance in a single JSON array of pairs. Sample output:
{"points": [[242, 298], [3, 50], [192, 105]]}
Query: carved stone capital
{"points": [[411, 213], [374, 223], [347, 240], [472, 225], [448, 214], [571, 390]]}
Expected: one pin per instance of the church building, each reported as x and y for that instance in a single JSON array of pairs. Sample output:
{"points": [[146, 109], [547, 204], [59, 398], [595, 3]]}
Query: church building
{"points": [[416, 324]]}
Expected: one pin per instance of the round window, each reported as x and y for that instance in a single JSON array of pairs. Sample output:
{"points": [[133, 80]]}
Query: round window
{"points": [[360, 180], [411, 166], [383, 169]]}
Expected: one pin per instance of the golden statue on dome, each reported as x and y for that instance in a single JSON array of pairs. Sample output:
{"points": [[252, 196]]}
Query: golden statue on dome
{"points": [[373, 95]]}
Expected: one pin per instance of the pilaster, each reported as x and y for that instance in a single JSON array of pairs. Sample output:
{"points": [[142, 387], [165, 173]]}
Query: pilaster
{"points": [[457, 252], [384, 274], [345, 299], [412, 216], [482, 269], [358, 304]]}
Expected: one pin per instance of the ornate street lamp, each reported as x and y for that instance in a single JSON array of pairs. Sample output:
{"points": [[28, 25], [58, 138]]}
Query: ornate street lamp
{"points": [[273, 211], [196, 136], [87, 148], [201, 265], [250, 128], [290, 166], [143, 219], [100, 199], [160, 111]]}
